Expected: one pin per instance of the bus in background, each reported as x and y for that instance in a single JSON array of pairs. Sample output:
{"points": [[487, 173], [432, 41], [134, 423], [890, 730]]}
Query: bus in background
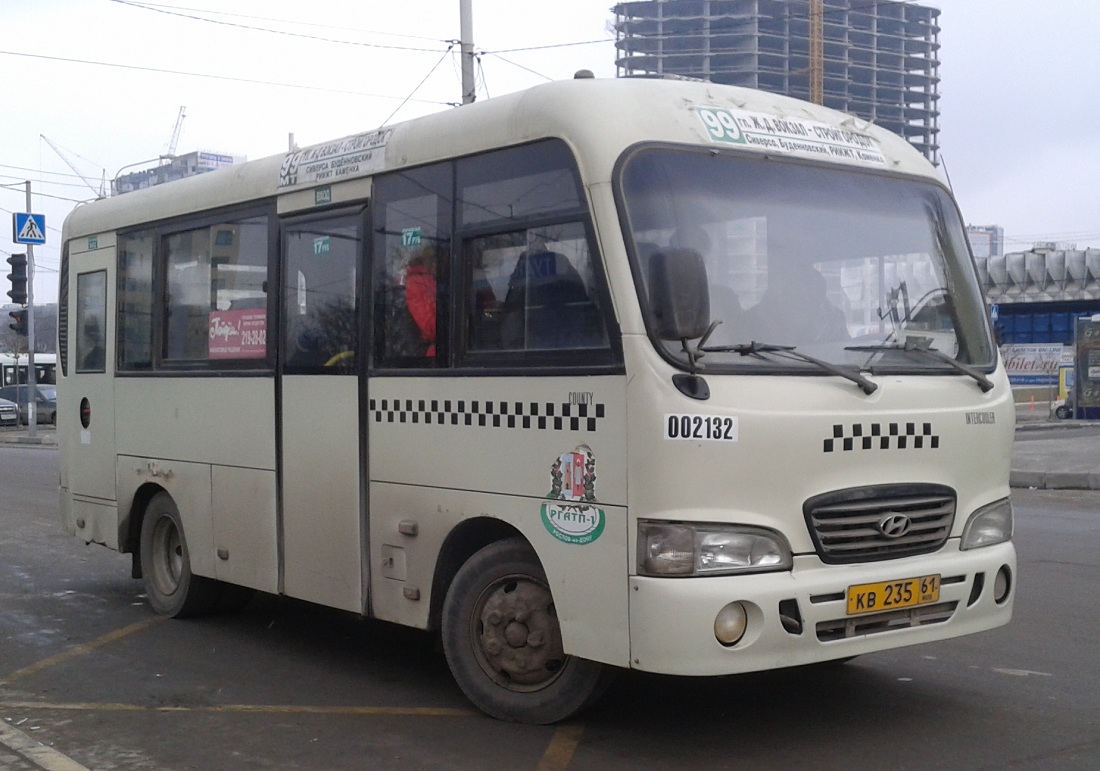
{"points": [[603, 375], [13, 369]]}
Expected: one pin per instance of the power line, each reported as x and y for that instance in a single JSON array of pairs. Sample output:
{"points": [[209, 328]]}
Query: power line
{"points": [[172, 10], [51, 183], [230, 78], [517, 64], [165, 10], [550, 45], [38, 171], [158, 6], [418, 85]]}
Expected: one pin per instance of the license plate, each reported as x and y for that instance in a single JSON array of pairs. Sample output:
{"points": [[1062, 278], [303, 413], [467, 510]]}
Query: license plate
{"points": [[891, 595]]}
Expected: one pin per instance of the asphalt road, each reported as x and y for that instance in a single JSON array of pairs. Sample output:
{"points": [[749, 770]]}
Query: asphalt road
{"points": [[90, 678]]}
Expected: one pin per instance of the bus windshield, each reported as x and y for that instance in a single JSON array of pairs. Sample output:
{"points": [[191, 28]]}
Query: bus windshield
{"points": [[854, 268]]}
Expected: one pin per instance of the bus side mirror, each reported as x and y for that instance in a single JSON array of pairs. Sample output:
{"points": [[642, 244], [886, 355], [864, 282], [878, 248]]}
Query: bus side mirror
{"points": [[679, 294]]}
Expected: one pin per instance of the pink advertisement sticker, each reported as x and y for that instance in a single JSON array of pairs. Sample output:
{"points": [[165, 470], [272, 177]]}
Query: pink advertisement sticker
{"points": [[240, 334]]}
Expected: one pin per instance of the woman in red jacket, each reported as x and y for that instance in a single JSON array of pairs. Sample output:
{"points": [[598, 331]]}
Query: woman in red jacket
{"points": [[420, 293]]}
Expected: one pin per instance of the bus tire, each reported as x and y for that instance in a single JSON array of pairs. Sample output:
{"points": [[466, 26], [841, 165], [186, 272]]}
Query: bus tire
{"points": [[166, 564], [503, 642]]}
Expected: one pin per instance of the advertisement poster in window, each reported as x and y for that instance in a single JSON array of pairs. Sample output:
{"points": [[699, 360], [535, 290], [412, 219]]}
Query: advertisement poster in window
{"points": [[238, 334]]}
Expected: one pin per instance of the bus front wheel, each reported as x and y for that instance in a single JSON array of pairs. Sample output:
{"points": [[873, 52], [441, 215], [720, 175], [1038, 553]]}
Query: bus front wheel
{"points": [[503, 641], [166, 565]]}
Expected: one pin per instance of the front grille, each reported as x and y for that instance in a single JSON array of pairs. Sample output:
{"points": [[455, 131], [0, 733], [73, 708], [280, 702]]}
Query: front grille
{"points": [[880, 522], [906, 618]]}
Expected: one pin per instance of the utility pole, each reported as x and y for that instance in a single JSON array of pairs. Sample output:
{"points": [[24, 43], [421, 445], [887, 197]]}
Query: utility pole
{"points": [[32, 383], [466, 45]]}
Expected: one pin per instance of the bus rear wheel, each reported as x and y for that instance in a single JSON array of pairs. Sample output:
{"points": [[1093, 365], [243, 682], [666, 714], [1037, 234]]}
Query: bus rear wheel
{"points": [[171, 587], [503, 641]]}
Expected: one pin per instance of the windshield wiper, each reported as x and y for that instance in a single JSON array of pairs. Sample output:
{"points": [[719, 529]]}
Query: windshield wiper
{"points": [[923, 346], [788, 351]]}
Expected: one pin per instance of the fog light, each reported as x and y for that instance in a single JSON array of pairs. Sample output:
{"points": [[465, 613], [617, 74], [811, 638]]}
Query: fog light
{"points": [[1002, 586], [730, 624]]}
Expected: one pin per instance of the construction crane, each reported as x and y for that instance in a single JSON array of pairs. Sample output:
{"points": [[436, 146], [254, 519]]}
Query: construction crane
{"points": [[170, 148], [101, 192], [817, 51]]}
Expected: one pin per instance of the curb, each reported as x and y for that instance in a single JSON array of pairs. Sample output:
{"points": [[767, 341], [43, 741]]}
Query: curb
{"points": [[20, 439], [1065, 425], [1054, 480]]}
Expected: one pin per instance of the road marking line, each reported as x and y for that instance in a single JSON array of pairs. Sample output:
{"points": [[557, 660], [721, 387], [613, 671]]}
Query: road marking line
{"points": [[559, 753], [243, 708], [36, 752], [1021, 672], [80, 650]]}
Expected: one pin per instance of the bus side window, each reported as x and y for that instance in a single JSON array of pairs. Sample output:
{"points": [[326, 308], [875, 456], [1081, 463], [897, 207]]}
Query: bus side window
{"points": [[135, 301], [412, 215], [322, 328], [216, 278], [530, 282], [91, 321]]}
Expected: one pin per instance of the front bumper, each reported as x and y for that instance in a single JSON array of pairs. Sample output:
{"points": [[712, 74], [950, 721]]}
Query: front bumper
{"points": [[672, 619]]}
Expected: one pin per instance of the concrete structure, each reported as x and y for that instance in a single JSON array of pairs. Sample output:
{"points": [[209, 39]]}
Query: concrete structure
{"points": [[178, 167], [880, 57], [1041, 291], [986, 240]]}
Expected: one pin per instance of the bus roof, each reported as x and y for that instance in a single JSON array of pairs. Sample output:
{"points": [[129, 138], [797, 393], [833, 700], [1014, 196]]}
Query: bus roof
{"points": [[599, 118]]}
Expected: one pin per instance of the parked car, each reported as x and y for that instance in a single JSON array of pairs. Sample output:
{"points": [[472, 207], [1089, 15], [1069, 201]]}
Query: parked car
{"points": [[1063, 409], [46, 402], [9, 413]]}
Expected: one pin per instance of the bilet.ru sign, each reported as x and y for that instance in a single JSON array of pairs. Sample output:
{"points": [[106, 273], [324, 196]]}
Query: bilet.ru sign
{"points": [[28, 228]]}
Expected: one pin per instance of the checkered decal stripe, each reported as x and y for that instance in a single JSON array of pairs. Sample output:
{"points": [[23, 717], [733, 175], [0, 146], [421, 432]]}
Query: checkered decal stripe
{"points": [[882, 436], [441, 412]]}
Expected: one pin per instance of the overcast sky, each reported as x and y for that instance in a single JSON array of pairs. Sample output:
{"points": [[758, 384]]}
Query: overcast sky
{"points": [[104, 80]]}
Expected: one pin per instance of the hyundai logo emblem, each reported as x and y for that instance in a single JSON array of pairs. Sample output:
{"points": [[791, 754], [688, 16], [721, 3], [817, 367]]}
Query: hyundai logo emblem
{"points": [[894, 525]]}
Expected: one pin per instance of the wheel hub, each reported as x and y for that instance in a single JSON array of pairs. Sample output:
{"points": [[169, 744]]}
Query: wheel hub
{"points": [[520, 637]]}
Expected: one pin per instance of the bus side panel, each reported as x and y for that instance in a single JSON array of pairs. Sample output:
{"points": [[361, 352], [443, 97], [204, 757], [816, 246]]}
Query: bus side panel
{"points": [[223, 421], [246, 544], [518, 450], [321, 480], [174, 424], [586, 580], [91, 521], [189, 485]]}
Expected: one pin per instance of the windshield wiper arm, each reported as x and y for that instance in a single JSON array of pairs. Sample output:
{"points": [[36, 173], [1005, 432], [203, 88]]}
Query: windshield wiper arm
{"points": [[923, 346], [788, 351]]}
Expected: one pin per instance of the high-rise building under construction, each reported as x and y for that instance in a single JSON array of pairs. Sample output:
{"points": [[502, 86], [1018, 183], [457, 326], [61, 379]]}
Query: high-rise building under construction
{"points": [[876, 59]]}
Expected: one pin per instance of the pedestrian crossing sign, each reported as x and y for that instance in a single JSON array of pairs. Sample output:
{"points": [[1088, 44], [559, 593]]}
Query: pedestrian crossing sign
{"points": [[29, 228]]}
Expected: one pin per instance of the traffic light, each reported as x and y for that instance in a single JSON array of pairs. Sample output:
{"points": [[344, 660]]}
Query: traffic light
{"points": [[19, 321], [18, 278]]}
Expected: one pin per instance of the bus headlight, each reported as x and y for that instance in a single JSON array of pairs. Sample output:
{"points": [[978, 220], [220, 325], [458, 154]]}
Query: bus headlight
{"points": [[696, 549], [988, 525]]}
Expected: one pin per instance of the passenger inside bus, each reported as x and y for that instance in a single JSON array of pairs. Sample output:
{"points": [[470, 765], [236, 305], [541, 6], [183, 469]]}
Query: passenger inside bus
{"points": [[547, 306], [795, 309], [420, 295], [406, 306], [309, 347], [92, 348]]}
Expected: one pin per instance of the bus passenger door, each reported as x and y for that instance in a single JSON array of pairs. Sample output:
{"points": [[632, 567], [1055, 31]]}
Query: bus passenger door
{"points": [[318, 403]]}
